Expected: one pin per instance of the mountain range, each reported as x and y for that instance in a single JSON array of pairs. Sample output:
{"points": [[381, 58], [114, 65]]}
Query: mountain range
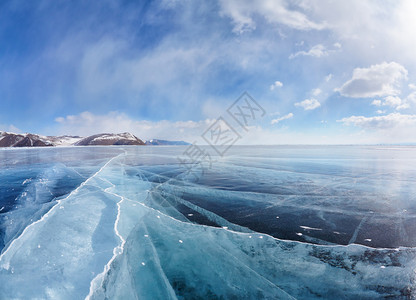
{"points": [[8, 139], [155, 142]]}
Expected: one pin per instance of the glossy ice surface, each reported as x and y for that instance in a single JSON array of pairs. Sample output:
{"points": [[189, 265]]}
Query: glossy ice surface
{"points": [[261, 222]]}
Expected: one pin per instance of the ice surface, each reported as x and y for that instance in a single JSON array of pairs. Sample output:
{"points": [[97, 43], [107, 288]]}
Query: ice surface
{"points": [[262, 223]]}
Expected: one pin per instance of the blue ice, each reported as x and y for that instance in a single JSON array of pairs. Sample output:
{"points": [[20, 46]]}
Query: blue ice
{"points": [[262, 223]]}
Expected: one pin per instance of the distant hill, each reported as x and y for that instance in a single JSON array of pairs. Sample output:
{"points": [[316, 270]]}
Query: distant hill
{"points": [[156, 142], [8, 139], [106, 139], [23, 140]]}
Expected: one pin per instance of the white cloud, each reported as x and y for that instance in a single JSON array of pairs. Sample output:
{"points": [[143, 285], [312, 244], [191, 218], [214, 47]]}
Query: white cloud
{"points": [[380, 112], [316, 51], [388, 26], [378, 80], [337, 45], [308, 104], [376, 102], [10, 128], [412, 86], [403, 106], [411, 98], [390, 121], [243, 12], [391, 128], [285, 117], [394, 102], [316, 91], [275, 85], [87, 123]]}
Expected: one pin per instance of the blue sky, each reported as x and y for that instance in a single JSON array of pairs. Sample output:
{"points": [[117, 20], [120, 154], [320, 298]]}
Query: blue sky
{"points": [[324, 71]]}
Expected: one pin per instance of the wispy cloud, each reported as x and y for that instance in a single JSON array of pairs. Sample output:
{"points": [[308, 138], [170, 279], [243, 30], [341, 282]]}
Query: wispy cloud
{"points": [[316, 51], [243, 12], [328, 77], [285, 117]]}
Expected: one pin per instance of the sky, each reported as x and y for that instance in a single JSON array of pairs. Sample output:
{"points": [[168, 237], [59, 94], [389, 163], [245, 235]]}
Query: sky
{"points": [[325, 72]]}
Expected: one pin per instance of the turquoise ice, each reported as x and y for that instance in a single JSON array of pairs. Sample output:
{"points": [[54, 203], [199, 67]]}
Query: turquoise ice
{"points": [[261, 223]]}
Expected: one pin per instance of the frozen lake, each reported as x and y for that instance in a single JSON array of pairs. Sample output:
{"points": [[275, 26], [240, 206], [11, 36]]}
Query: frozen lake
{"points": [[262, 222]]}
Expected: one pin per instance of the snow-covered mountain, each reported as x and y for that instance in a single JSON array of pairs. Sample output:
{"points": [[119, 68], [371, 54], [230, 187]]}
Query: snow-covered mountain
{"points": [[64, 140], [110, 139], [23, 140], [8, 139]]}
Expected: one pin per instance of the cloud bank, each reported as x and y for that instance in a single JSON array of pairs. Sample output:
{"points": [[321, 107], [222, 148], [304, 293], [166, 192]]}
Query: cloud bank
{"points": [[88, 123], [390, 121]]}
